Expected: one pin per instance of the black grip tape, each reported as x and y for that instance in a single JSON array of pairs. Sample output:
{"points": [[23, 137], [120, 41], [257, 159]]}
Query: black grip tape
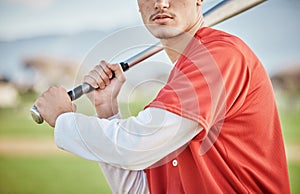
{"points": [[75, 93], [124, 66]]}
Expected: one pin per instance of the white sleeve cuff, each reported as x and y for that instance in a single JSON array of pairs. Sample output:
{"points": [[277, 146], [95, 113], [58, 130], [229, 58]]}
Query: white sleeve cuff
{"points": [[116, 116]]}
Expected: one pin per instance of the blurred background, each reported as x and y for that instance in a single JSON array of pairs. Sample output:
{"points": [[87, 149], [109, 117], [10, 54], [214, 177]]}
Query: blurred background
{"points": [[54, 42]]}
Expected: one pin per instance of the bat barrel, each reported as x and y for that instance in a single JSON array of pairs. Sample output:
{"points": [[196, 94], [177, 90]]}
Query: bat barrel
{"points": [[227, 9]]}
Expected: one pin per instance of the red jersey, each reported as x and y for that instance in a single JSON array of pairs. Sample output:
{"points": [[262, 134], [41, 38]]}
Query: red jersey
{"points": [[220, 83]]}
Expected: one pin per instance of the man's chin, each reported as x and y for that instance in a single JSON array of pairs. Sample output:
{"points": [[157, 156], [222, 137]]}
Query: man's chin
{"points": [[164, 32]]}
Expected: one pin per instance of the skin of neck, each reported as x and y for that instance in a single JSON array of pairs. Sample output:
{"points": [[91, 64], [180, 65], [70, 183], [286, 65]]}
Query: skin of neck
{"points": [[174, 46]]}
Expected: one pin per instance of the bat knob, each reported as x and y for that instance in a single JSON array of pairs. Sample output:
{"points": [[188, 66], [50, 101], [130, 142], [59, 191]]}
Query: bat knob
{"points": [[36, 115]]}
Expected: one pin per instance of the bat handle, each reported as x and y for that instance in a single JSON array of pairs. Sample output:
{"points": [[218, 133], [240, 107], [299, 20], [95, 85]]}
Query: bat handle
{"points": [[79, 91], [73, 94], [86, 88]]}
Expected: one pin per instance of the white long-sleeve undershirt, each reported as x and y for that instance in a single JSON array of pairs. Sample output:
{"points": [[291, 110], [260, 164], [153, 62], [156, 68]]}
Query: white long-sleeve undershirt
{"points": [[134, 143], [124, 148]]}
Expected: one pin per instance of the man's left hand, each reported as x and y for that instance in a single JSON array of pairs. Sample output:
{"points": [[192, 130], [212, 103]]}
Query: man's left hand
{"points": [[52, 103]]}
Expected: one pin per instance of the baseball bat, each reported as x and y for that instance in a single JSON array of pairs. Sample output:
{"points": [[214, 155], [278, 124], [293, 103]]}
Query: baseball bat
{"points": [[218, 13], [86, 88]]}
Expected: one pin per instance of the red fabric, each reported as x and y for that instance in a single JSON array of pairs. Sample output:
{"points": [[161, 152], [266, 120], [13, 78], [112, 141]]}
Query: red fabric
{"points": [[219, 83]]}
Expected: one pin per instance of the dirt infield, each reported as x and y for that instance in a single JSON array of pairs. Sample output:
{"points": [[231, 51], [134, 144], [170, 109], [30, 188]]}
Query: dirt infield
{"points": [[27, 146]]}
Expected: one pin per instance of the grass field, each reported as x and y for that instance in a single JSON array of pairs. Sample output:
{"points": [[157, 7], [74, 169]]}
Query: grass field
{"points": [[49, 175], [65, 173]]}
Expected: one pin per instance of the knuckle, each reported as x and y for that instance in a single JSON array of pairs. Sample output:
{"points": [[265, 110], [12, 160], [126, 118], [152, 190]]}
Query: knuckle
{"points": [[93, 72], [106, 70], [102, 63], [91, 81], [38, 102], [101, 85], [61, 88], [104, 66], [97, 67], [94, 75], [86, 77], [50, 89]]}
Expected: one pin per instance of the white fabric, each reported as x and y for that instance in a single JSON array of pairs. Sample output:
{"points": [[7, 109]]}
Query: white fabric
{"points": [[125, 181], [134, 143]]}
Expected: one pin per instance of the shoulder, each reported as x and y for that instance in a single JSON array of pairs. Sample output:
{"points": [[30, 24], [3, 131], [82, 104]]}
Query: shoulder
{"points": [[224, 47], [211, 46], [209, 36], [213, 40]]}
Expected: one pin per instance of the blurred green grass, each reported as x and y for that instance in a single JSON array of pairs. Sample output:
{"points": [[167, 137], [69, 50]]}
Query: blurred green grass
{"points": [[294, 174], [49, 175], [70, 174], [18, 123], [42, 173], [290, 122]]}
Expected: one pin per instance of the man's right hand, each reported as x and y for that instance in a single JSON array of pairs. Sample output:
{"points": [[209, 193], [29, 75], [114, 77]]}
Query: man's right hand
{"points": [[107, 79]]}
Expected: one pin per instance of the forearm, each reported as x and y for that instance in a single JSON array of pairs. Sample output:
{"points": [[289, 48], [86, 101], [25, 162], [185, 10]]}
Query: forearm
{"points": [[134, 143], [107, 79]]}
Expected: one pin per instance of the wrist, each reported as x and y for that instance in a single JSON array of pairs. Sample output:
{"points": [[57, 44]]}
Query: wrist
{"points": [[107, 110]]}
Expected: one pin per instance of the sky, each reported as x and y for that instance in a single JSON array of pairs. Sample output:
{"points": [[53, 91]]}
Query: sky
{"points": [[271, 29], [27, 18]]}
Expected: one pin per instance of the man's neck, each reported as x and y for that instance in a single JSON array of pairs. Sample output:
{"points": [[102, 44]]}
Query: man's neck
{"points": [[175, 46]]}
